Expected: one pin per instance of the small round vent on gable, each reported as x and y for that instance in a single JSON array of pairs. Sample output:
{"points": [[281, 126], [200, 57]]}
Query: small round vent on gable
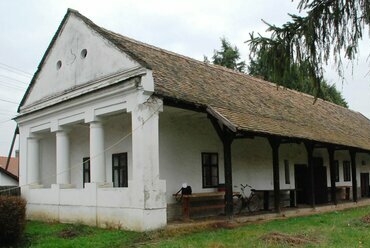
{"points": [[59, 64], [83, 53]]}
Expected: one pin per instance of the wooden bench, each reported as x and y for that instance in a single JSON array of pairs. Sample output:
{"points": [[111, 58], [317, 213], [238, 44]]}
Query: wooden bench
{"points": [[266, 196], [187, 207]]}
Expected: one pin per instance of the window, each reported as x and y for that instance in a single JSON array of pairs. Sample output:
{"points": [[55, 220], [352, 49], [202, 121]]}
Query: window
{"points": [[336, 169], [119, 170], [86, 170], [287, 174], [346, 171], [210, 170]]}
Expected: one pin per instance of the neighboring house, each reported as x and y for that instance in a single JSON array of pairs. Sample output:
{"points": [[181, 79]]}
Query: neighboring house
{"points": [[111, 127], [9, 176]]}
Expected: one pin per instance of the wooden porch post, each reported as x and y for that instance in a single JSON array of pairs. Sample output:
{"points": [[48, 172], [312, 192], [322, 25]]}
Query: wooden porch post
{"points": [[275, 143], [354, 174], [332, 175], [227, 138], [309, 148]]}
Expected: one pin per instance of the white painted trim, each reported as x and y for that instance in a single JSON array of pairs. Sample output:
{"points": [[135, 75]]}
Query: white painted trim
{"points": [[122, 91], [85, 88]]}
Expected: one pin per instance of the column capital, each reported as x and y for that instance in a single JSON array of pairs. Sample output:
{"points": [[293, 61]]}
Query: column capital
{"points": [[59, 128], [62, 131], [33, 136], [98, 121]]}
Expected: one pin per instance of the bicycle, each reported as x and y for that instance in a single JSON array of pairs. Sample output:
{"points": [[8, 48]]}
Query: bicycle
{"points": [[252, 202]]}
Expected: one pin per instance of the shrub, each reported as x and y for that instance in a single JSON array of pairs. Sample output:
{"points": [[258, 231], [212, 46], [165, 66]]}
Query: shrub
{"points": [[12, 219]]}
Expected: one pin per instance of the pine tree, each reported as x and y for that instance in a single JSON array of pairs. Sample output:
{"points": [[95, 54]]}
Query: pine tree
{"points": [[331, 29], [228, 56]]}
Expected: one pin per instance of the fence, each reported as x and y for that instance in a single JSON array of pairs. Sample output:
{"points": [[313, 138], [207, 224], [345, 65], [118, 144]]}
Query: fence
{"points": [[10, 190]]}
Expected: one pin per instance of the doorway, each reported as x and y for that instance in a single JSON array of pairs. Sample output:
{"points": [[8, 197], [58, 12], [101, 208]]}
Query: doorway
{"points": [[364, 184], [302, 182], [321, 181]]}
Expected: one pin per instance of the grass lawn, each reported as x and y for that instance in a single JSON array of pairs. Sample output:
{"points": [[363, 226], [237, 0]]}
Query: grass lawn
{"points": [[345, 228]]}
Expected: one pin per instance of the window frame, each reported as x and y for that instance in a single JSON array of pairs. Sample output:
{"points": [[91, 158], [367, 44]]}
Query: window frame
{"points": [[346, 174], [86, 160], [210, 165], [336, 169], [121, 169]]}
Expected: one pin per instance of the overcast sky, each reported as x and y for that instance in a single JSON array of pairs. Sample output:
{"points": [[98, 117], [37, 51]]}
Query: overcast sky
{"points": [[191, 28]]}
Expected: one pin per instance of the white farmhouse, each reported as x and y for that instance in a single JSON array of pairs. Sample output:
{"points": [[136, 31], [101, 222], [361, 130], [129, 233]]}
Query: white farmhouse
{"points": [[111, 127]]}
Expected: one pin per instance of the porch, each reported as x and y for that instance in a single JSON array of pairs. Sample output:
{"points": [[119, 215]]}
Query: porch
{"points": [[288, 172]]}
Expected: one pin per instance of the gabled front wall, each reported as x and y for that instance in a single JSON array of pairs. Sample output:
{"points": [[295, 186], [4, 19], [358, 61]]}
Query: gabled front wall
{"points": [[102, 60]]}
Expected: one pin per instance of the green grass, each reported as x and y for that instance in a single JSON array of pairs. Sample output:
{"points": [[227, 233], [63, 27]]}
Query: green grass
{"points": [[39, 234], [335, 229]]}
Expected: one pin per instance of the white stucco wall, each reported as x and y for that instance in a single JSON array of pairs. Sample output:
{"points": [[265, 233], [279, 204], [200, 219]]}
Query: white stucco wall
{"points": [[5, 180], [47, 167], [184, 135]]}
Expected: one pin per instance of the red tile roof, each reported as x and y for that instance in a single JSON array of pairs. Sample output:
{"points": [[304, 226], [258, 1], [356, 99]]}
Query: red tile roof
{"points": [[13, 167]]}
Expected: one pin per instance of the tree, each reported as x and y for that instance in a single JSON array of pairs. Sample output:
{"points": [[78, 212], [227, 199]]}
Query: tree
{"points": [[228, 56], [330, 29], [296, 77]]}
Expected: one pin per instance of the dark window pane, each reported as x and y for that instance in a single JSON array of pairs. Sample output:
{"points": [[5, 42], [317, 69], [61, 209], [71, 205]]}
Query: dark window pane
{"points": [[287, 173], [119, 170], [336, 168], [85, 171], [346, 171], [210, 170]]}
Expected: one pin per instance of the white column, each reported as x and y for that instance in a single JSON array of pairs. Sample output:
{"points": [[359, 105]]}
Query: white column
{"points": [[97, 158], [147, 190], [33, 160], [63, 160], [145, 153]]}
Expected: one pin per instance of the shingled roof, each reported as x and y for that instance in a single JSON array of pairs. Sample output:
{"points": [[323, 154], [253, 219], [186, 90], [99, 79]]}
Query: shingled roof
{"points": [[245, 102], [13, 168]]}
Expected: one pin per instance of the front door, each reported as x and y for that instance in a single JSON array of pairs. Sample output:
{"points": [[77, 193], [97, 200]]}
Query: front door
{"points": [[301, 183], [320, 178], [364, 184]]}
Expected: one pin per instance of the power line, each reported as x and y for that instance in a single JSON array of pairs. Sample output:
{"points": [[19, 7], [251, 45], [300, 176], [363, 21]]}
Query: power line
{"points": [[7, 111], [3, 100], [10, 78], [2, 83], [4, 121], [15, 69]]}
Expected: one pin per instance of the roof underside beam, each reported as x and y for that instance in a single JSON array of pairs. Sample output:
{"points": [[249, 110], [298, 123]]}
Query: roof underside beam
{"points": [[240, 134]]}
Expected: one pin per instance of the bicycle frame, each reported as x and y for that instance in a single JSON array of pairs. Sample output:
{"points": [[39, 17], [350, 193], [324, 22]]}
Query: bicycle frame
{"points": [[246, 201]]}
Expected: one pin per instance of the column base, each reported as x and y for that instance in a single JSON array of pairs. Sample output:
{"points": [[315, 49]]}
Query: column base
{"points": [[63, 186], [99, 185], [34, 186]]}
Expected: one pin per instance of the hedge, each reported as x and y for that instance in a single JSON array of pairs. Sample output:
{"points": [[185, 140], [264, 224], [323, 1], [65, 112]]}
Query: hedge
{"points": [[12, 219]]}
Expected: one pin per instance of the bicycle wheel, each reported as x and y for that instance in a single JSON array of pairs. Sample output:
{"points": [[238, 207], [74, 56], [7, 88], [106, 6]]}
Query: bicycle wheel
{"points": [[254, 203], [238, 205]]}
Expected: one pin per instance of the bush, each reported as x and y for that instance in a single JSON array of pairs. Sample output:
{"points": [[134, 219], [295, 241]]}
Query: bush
{"points": [[12, 219]]}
